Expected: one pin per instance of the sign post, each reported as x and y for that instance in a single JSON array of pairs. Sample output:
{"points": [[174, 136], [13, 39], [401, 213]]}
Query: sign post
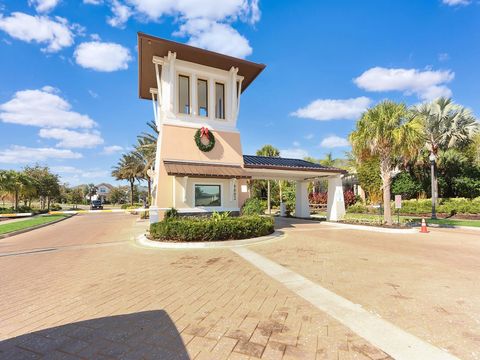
{"points": [[398, 206]]}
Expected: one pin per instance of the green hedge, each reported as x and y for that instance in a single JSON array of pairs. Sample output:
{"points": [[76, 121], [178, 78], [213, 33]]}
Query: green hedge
{"points": [[211, 229], [424, 206]]}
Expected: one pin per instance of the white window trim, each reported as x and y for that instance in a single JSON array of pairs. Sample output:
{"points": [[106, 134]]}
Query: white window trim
{"points": [[209, 208], [177, 96]]}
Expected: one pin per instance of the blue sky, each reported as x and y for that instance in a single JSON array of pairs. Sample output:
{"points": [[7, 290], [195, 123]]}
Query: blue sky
{"points": [[68, 70]]}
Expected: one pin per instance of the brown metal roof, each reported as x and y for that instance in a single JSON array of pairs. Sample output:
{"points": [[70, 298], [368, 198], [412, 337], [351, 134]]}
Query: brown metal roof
{"points": [[149, 46], [179, 168]]}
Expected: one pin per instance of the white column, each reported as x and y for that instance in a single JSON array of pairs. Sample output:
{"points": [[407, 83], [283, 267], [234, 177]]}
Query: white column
{"points": [[336, 203], [302, 209]]}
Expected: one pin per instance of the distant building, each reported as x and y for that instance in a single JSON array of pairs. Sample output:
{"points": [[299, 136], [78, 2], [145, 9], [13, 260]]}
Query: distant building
{"points": [[103, 192]]}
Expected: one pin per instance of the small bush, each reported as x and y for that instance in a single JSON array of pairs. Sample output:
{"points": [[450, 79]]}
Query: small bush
{"points": [[171, 213], [406, 185], [208, 229], [134, 206], [55, 207], [357, 208], [254, 206]]}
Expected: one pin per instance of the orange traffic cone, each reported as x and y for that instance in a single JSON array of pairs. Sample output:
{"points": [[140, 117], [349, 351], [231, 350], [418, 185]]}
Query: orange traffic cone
{"points": [[424, 229]]}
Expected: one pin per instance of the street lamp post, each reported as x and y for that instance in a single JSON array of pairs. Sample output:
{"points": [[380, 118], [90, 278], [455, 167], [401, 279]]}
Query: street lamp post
{"points": [[432, 159]]}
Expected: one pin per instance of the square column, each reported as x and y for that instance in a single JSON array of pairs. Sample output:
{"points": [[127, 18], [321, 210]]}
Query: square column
{"points": [[302, 207], [336, 203]]}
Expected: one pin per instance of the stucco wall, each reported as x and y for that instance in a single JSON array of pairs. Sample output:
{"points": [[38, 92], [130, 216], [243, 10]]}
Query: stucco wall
{"points": [[178, 144]]}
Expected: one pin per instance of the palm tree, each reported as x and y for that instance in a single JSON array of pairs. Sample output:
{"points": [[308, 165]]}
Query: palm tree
{"points": [[129, 168], [270, 150], [446, 125], [146, 150], [387, 131], [15, 182], [90, 191]]}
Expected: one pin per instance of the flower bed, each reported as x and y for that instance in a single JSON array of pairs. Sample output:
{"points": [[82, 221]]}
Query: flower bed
{"points": [[211, 229]]}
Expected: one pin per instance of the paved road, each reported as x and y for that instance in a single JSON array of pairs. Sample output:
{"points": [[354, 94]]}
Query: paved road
{"points": [[83, 289], [81, 229]]}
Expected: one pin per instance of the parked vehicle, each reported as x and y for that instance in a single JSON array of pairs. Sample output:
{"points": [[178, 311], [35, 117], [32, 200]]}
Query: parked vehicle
{"points": [[96, 205]]}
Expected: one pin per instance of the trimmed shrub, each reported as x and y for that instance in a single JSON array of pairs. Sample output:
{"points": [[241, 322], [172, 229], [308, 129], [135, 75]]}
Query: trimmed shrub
{"points": [[208, 229], [254, 206], [322, 198]]}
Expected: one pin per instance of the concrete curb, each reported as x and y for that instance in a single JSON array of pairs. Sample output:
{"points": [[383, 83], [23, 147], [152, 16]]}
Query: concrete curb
{"points": [[143, 241], [18, 232], [371, 228], [451, 227]]}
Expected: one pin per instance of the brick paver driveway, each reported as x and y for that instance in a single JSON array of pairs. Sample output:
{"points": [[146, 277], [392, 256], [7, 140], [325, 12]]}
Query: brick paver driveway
{"points": [[83, 289]]}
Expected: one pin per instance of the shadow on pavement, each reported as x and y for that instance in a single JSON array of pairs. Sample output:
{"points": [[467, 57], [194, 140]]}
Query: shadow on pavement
{"points": [[282, 223], [143, 335]]}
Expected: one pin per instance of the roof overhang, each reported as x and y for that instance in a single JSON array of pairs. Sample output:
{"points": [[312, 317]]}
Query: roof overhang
{"points": [[150, 46], [203, 170], [278, 173]]}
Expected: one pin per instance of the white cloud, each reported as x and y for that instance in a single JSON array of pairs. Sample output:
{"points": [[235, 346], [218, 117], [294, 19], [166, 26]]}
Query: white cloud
{"points": [[72, 139], [214, 36], [207, 23], [426, 84], [73, 175], [190, 9], [93, 94], [332, 109], [296, 144], [93, 2], [112, 149], [102, 56], [456, 2], [43, 108], [22, 154], [309, 136], [121, 14], [443, 57], [89, 173], [334, 141], [56, 34], [295, 153], [43, 5]]}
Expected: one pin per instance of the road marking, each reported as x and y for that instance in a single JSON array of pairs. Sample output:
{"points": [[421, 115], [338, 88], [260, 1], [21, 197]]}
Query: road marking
{"points": [[384, 335], [15, 215]]}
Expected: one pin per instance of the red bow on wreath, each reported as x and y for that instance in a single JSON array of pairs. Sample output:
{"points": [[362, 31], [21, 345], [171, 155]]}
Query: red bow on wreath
{"points": [[204, 132]]}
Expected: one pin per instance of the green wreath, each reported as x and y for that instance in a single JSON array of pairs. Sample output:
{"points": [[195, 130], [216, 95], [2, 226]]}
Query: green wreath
{"points": [[200, 133]]}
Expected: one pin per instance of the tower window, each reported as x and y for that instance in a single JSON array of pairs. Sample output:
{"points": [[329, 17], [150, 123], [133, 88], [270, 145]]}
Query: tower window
{"points": [[183, 94], [202, 93], [219, 101]]}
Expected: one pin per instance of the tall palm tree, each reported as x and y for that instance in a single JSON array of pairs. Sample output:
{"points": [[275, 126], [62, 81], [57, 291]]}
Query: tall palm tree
{"points": [[387, 131], [446, 125], [129, 168], [270, 150], [146, 150]]}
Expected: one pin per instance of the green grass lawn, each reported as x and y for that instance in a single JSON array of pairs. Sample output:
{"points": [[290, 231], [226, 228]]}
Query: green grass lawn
{"points": [[405, 219], [25, 224]]}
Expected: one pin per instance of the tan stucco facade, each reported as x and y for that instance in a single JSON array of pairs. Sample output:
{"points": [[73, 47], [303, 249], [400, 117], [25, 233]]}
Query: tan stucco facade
{"points": [[177, 143]]}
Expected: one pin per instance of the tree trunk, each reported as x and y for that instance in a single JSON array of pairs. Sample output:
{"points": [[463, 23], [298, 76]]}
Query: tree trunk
{"points": [[48, 203], [132, 183], [149, 198], [385, 173], [16, 199]]}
